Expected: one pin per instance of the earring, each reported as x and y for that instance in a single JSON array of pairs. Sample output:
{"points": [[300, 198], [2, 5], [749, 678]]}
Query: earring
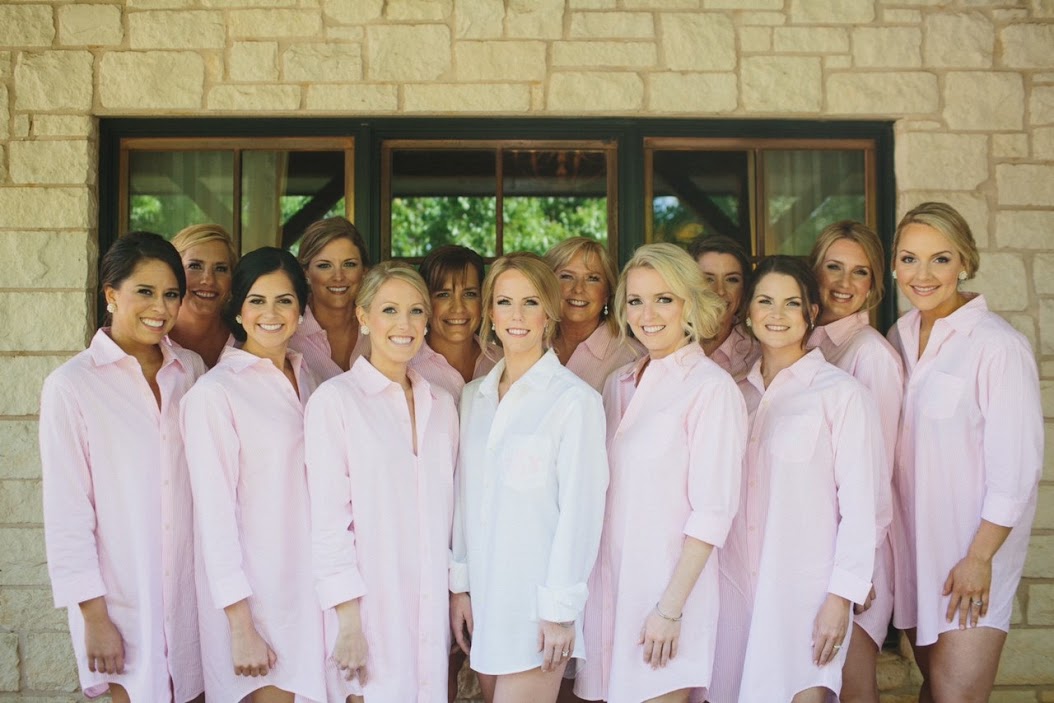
{"points": [[962, 275], [493, 328], [238, 319], [365, 330], [111, 308], [605, 309], [894, 275], [426, 329], [748, 323], [300, 320]]}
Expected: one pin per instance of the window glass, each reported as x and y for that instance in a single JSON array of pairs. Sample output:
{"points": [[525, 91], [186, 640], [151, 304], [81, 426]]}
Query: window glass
{"points": [[168, 190]]}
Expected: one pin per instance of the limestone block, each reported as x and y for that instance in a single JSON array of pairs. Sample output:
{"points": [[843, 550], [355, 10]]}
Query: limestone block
{"points": [[62, 126], [1047, 388], [158, 4], [535, 19], [8, 661], [1046, 337], [887, 47], [51, 162], [479, 19], [21, 502], [5, 114], [26, 25], [23, 562], [762, 19], [1027, 654], [20, 126], [90, 25], [755, 39], [259, 24], [352, 11], [601, 54], [45, 208], [781, 84], [500, 60], [901, 16], [322, 63], [811, 40], [592, 4], [1043, 143], [1012, 696], [164, 29], [45, 259], [1041, 105], [253, 61], [882, 93], [1043, 281], [958, 40], [58, 323], [362, 98], [30, 609], [418, 9], [408, 52], [660, 4], [612, 25], [253, 98], [593, 92], [1043, 8], [5, 65], [1010, 146], [742, 4], [1044, 521], [1003, 280], [703, 93], [467, 98], [1024, 229], [151, 80], [49, 662], [20, 458], [983, 100], [832, 11], [53, 80], [834, 62], [703, 41], [1028, 45], [1025, 184], [345, 34], [926, 160]]}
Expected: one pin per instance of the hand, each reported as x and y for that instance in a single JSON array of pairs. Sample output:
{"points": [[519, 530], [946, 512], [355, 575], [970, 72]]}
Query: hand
{"points": [[829, 629], [556, 641], [863, 608], [350, 651], [461, 620], [102, 641], [251, 654], [969, 584], [660, 636]]}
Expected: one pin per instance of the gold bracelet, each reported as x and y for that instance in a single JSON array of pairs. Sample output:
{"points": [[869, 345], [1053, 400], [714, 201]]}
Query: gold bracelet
{"points": [[667, 617]]}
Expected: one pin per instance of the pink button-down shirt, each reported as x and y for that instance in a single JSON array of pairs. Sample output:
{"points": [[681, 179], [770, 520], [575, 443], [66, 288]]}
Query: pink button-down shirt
{"points": [[737, 353], [117, 513], [805, 528], [313, 343], [857, 348], [243, 424], [435, 369], [381, 522], [601, 353], [675, 447], [971, 449]]}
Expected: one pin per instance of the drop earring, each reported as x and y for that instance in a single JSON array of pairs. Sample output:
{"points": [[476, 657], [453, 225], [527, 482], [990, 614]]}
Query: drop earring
{"points": [[605, 309], [111, 308], [365, 330]]}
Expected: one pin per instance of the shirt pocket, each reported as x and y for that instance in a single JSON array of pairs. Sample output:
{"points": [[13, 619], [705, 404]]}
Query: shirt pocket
{"points": [[941, 395], [794, 437], [528, 462]]}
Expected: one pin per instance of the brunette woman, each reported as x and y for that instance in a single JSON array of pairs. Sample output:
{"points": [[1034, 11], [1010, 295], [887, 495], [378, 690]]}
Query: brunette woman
{"points": [[208, 258]]}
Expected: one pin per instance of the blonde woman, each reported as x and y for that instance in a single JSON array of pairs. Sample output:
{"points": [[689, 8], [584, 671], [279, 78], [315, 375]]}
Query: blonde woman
{"points": [[208, 259], [530, 495]]}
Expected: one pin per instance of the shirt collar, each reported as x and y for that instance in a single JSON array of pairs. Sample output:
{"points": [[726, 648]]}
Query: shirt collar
{"points": [[599, 342], [538, 375], [238, 359], [309, 327], [105, 351], [841, 330], [679, 362], [804, 369], [966, 318]]}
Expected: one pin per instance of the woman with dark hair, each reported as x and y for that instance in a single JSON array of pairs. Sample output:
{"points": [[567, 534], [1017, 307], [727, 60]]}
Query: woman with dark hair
{"points": [[117, 501], [243, 426], [335, 259], [802, 546], [208, 258], [726, 269]]}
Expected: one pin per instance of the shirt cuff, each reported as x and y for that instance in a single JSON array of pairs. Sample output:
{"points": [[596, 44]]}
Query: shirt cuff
{"points": [[561, 604], [230, 589], [712, 529], [69, 592], [458, 577], [849, 586], [340, 588], [1002, 510]]}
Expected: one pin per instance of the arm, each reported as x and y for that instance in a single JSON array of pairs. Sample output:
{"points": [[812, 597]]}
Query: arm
{"points": [[461, 624]]}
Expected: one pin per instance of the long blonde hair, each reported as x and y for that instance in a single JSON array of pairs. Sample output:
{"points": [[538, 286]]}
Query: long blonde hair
{"points": [[867, 239]]}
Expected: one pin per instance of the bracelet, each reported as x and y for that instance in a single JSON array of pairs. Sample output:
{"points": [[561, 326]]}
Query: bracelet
{"points": [[664, 616]]}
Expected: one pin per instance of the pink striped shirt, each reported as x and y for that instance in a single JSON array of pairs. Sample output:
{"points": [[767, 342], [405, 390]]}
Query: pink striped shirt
{"points": [[601, 353], [117, 513], [435, 369], [313, 343], [737, 353]]}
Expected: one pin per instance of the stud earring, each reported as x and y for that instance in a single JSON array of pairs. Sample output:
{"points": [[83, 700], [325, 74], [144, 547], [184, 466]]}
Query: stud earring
{"points": [[493, 328], [238, 319], [426, 329], [300, 320], [365, 330], [748, 323], [962, 275], [894, 275], [111, 308]]}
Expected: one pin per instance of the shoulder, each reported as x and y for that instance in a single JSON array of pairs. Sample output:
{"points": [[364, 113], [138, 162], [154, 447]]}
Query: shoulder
{"points": [[71, 375], [994, 330], [570, 388]]}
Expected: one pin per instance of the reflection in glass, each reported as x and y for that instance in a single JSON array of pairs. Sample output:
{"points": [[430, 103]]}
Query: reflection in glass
{"points": [[169, 190]]}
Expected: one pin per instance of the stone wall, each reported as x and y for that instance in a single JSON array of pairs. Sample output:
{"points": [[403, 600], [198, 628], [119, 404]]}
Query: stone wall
{"points": [[969, 82]]}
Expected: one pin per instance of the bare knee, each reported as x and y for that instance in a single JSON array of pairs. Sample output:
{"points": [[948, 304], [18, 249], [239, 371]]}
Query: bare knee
{"points": [[817, 694], [118, 694]]}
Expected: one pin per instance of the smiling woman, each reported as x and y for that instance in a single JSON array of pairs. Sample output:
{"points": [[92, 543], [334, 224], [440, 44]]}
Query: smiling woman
{"points": [[208, 259]]}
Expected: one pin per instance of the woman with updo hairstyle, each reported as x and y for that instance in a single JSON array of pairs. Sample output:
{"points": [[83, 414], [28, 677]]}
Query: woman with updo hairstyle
{"points": [[529, 502], [381, 448], [587, 340], [117, 502], [849, 266], [243, 426], [802, 546], [335, 259], [208, 258], [969, 458], [676, 430], [726, 271]]}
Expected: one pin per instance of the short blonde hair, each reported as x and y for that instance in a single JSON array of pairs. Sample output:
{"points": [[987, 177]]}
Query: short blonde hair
{"points": [[867, 239], [561, 253], [946, 220], [392, 271], [540, 276], [203, 234], [319, 234], [701, 318]]}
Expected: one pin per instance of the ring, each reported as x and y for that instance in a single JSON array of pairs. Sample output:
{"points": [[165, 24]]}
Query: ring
{"points": [[564, 652], [837, 647], [978, 603]]}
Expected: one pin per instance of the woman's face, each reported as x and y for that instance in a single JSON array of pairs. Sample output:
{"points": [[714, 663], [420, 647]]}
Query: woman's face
{"points": [[208, 268], [654, 313], [457, 307], [147, 304], [270, 313], [724, 274], [777, 312], [845, 280], [517, 314], [397, 320], [583, 290], [927, 267], [335, 274]]}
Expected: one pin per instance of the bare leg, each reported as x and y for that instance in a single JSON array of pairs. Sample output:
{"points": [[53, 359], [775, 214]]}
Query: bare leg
{"points": [[271, 694], [534, 686], [963, 664], [817, 694], [355, 699], [680, 696], [486, 685], [922, 660], [859, 676], [118, 694]]}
